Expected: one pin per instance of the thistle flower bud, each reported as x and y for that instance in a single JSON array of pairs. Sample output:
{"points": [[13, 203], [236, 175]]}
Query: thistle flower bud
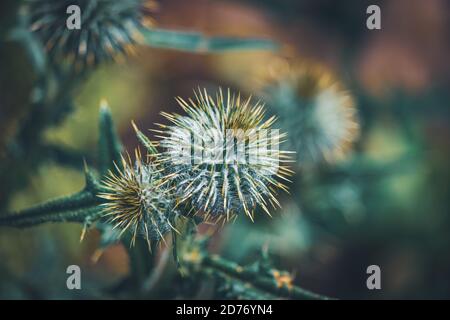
{"points": [[315, 109], [223, 156], [136, 200], [108, 28]]}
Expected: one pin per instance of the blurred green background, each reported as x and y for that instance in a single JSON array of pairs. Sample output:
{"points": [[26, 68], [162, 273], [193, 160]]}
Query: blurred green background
{"points": [[386, 204]]}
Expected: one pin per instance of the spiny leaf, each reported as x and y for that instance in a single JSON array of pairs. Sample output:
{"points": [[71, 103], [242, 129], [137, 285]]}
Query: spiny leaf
{"points": [[250, 276], [144, 140], [84, 206], [199, 42], [263, 279], [79, 207], [109, 144]]}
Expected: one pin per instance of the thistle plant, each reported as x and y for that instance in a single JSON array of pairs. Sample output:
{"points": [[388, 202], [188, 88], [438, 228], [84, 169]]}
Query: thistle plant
{"points": [[222, 157], [147, 197], [137, 200], [316, 110], [109, 28]]}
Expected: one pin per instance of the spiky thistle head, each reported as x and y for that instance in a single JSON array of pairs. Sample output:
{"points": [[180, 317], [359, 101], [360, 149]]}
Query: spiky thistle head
{"points": [[223, 156], [109, 28], [136, 201], [315, 109]]}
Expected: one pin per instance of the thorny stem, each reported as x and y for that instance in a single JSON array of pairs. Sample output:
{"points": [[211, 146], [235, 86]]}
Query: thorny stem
{"points": [[74, 208], [141, 261], [232, 270], [80, 207]]}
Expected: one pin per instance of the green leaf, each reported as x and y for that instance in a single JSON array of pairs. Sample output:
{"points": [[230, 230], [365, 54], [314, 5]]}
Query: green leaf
{"points": [[109, 146], [145, 141], [199, 42], [82, 207]]}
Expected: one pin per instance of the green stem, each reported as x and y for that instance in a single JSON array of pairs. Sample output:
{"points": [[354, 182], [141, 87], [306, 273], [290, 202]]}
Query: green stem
{"points": [[141, 261], [201, 43], [75, 208], [141, 264], [259, 281]]}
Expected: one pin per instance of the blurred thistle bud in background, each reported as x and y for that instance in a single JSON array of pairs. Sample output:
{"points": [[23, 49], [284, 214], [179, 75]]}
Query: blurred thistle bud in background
{"points": [[223, 189], [314, 108], [109, 28], [137, 200]]}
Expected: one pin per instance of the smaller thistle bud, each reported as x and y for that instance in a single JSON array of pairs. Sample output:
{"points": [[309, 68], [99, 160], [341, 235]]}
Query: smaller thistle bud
{"points": [[314, 108], [223, 156], [108, 30], [137, 201]]}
